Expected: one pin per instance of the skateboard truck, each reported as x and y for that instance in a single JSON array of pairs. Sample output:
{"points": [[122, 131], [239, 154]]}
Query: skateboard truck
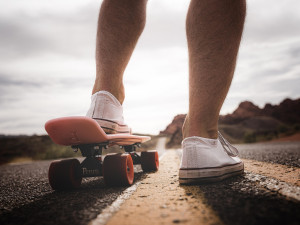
{"points": [[131, 148], [90, 150], [96, 148], [91, 166]]}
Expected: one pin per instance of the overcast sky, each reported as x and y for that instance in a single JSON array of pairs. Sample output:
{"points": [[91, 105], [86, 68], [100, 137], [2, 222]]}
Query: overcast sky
{"points": [[47, 65]]}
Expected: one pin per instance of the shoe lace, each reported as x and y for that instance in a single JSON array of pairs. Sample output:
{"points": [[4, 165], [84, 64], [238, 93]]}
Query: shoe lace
{"points": [[229, 148]]}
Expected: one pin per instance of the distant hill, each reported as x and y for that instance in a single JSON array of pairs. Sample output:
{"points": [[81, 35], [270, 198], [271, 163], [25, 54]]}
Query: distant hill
{"points": [[249, 123], [288, 111]]}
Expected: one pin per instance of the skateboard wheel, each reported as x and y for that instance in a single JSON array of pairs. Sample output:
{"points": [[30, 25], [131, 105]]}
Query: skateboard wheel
{"points": [[149, 161], [65, 174], [118, 170]]}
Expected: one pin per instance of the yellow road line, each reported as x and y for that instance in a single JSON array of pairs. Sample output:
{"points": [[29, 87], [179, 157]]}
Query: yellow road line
{"points": [[284, 173], [159, 199]]}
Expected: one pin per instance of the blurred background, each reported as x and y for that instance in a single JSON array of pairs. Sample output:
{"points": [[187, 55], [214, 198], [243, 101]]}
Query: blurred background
{"points": [[47, 65]]}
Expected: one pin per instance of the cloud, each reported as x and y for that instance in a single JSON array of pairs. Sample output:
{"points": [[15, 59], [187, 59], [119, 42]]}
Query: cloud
{"points": [[47, 63], [266, 73], [68, 33], [6, 81], [272, 21]]}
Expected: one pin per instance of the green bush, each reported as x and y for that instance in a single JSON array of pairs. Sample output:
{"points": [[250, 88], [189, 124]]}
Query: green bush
{"points": [[250, 137], [283, 129], [296, 127]]}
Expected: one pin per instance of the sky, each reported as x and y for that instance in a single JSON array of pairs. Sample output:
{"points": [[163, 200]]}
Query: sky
{"points": [[47, 62]]}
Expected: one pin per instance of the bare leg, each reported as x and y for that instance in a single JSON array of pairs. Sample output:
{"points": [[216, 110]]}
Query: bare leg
{"points": [[119, 27], [214, 29]]}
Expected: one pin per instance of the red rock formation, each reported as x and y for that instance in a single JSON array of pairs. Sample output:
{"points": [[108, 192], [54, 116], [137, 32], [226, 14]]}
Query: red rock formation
{"points": [[246, 116], [175, 125], [245, 110], [288, 111]]}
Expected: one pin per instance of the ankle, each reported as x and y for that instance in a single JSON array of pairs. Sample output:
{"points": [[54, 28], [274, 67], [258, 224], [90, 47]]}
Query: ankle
{"points": [[118, 93], [199, 129]]}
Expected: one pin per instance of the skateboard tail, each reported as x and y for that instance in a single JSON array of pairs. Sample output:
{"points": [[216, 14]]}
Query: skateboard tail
{"points": [[74, 131]]}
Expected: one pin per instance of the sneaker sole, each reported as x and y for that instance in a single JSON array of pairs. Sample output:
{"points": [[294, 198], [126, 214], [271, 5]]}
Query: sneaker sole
{"points": [[111, 127], [209, 175]]}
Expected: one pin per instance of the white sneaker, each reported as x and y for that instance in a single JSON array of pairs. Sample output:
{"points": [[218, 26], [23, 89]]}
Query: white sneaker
{"points": [[108, 112], [208, 160]]}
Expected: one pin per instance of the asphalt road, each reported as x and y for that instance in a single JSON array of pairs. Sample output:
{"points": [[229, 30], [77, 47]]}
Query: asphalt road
{"points": [[26, 197], [285, 153]]}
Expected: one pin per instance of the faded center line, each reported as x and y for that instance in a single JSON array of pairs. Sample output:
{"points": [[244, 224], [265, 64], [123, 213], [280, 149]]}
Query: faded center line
{"points": [[107, 213], [275, 177], [159, 199]]}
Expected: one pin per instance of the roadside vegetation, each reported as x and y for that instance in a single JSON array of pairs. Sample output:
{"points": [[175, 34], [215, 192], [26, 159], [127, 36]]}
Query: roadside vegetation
{"points": [[26, 148], [29, 148], [280, 132]]}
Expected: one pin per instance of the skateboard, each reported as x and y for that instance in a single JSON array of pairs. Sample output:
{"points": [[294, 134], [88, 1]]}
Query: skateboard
{"points": [[85, 134]]}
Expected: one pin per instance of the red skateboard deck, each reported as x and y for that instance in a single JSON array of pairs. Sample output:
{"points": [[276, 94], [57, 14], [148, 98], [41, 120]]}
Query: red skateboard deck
{"points": [[79, 130]]}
